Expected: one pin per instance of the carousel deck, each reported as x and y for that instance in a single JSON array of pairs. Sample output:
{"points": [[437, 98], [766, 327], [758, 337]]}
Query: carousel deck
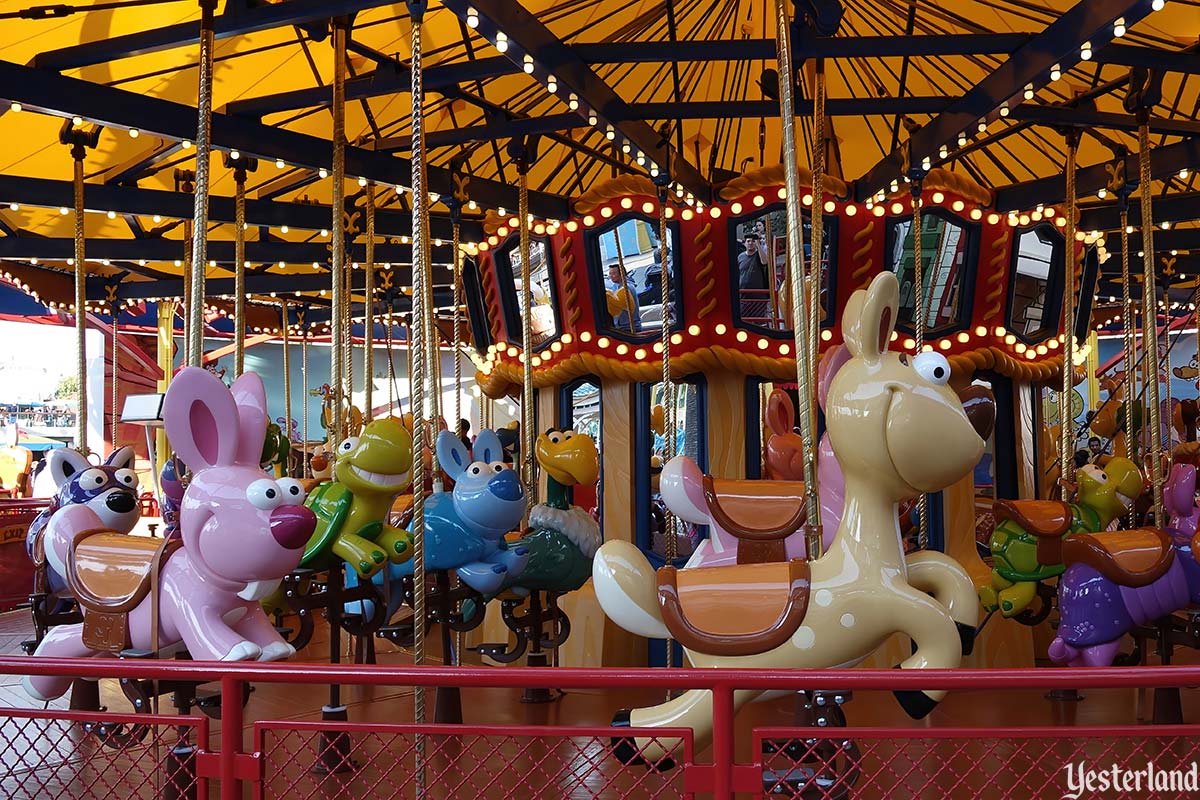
{"points": [[510, 749]]}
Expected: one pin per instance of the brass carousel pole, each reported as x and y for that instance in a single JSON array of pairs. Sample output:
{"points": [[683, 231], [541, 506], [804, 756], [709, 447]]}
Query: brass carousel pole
{"points": [[919, 320], [195, 298], [339, 301], [522, 158], [78, 150], [670, 423], [1129, 312], [239, 270], [369, 306], [433, 370], [306, 472], [1149, 314], [287, 379], [116, 412], [800, 323], [421, 270], [818, 229], [1066, 422]]}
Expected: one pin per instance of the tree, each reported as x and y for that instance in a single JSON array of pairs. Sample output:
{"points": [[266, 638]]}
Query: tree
{"points": [[68, 386]]}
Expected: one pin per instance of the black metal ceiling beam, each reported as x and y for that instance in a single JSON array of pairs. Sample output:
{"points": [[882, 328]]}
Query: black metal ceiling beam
{"points": [[1172, 208], [1059, 117], [178, 205], [1086, 21], [221, 251], [529, 35], [733, 109], [263, 17], [138, 166], [1164, 162], [260, 284], [384, 80], [49, 92], [1164, 242], [484, 133]]}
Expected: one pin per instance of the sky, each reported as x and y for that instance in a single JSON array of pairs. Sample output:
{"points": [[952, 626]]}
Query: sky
{"points": [[33, 358]]}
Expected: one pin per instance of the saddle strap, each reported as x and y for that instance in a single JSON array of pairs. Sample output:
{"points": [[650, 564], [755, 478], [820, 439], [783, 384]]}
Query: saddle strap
{"points": [[735, 644]]}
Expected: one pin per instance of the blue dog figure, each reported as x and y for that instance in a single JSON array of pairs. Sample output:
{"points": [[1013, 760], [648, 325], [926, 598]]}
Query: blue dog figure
{"points": [[464, 529]]}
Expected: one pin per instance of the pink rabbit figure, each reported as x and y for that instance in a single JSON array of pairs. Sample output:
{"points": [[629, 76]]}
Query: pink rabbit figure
{"points": [[1179, 498], [241, 533]]}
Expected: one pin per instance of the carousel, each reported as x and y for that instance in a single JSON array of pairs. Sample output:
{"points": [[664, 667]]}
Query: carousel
{"points": [[485, 399]]}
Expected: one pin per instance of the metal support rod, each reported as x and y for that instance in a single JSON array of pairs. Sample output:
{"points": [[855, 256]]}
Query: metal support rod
{"points": [[116, 412], [287, 378], [1066, 422], [919, 334], [369, 306], [338, 298], [195, 299], [818, 230], [670, 423], [239, 271], [528, 397], [307, 470], [81, 405], [1129, 312], [1149, 313], [796, 271]]}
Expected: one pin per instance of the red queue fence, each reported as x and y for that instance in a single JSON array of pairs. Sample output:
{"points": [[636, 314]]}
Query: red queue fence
{"points": [[74, 754]]}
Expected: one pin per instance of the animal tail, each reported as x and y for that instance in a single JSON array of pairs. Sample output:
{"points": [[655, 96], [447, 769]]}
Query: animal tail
{"points": [[626, 589]]}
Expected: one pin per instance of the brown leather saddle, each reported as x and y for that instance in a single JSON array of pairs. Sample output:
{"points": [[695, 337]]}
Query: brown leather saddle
{"points": [[758, 604], [110, 573], [1131, 558], [1047, 520]]}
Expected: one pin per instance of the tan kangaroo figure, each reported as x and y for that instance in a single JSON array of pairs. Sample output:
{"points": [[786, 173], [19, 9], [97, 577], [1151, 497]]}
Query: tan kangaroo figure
{"points": [[898, 429]]}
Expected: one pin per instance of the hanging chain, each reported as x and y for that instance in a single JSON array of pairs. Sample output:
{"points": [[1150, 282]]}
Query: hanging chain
{"points": [[239, 271], [1129, 311], [800, 328], [195, 300], [369, 306], [1150, 314], [338, 300], [528, 398], [1066, 420], [81, 404], [420, 267]]}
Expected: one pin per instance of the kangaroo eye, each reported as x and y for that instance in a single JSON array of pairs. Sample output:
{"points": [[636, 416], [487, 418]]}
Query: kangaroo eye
{"points": [[933, 367]]}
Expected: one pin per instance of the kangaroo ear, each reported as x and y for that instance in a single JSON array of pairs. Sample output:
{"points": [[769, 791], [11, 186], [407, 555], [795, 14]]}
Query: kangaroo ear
{"points": [[121, 458], [251, 399], [452, 455], [487, 447], [202, 420], [65, 462], [781, 416], [870, 317]]}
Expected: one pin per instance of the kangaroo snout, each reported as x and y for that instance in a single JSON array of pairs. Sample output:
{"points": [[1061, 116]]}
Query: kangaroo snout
{"points": [[120, 502], [292, 526], [506, 486]]}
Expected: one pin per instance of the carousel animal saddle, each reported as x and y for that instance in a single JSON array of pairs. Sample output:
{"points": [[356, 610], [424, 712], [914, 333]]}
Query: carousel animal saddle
{"points": [[760, 514], [1131, 558], [734, 610], [110, 573], [1046, 520]]}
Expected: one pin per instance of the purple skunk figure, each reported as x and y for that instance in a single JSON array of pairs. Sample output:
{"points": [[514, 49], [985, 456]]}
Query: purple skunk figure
{"points": [[1120, 579]]}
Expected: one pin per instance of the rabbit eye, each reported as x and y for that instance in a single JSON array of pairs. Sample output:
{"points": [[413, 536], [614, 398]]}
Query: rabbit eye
{"points": [[264, 494]]}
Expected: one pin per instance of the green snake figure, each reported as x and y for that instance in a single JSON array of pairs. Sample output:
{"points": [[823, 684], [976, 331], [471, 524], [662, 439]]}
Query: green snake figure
{"points": [[563, 538], [352, 509], [1026, 543]]}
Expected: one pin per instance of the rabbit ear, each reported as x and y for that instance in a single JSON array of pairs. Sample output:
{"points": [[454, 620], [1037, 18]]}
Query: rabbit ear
{"points": [[65, 462], [121, 458], [781, 416], [452, 455], [251, 399], [201, 419], [487, 447], [870, 316]]}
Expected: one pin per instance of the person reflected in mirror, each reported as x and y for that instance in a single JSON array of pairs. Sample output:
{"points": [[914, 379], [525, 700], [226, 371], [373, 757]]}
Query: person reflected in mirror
{"points": [[752, 276], [613, 285]]}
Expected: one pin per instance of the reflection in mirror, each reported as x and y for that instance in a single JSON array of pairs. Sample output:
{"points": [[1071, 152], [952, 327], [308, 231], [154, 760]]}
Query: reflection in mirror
{"points": [[543, 321], [944, 249], [585, 410], [689, 430], [1038, 250], [760, 247], [985, 488], [632, 276]]}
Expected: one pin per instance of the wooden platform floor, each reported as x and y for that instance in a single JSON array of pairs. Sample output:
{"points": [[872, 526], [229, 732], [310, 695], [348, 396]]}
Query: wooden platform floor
{"points": [[474, 766]]}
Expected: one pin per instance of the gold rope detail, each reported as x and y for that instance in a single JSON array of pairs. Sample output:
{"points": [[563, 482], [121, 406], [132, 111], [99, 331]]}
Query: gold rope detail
{"points": [[865, 265], [704, 272], [996, 282], [772, 178], [570, 288], [622, 186]]}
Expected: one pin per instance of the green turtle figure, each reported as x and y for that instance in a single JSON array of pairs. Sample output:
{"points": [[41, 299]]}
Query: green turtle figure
{"points": [[352, 509], [1026, 544]]}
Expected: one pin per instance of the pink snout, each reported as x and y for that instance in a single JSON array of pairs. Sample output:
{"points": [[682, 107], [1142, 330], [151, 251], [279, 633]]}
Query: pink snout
{"points": [[292, 526]]}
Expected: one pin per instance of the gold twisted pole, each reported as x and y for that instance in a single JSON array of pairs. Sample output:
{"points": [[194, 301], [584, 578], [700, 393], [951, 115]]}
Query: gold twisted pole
{"points": [[1129, 311], [421, 271], [670, 423], [457, 321], [528, 398], [796, 272], [433, 370], [307, 471], [369, 306], [338, 230], [81, 404], [116, 412], [919, 320], [818, 228], [348, 340], [287, 378], [1149, 312], [239, 270], [1066, 421], [195, 300]]}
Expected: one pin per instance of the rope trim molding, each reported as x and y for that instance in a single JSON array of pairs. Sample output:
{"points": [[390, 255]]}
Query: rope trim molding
{"points": [[704, 272]]}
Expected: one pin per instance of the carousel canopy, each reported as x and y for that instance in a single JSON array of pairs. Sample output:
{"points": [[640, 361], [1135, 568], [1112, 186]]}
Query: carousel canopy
{"points": [[986, 89]]}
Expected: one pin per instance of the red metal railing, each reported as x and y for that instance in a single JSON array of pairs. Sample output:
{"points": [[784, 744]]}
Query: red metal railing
{"points": [[914, 760]]}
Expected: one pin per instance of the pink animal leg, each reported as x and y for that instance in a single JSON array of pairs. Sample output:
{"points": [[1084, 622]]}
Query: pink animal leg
{"points": [[63, 641], [258, 628], [209, 638]]}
